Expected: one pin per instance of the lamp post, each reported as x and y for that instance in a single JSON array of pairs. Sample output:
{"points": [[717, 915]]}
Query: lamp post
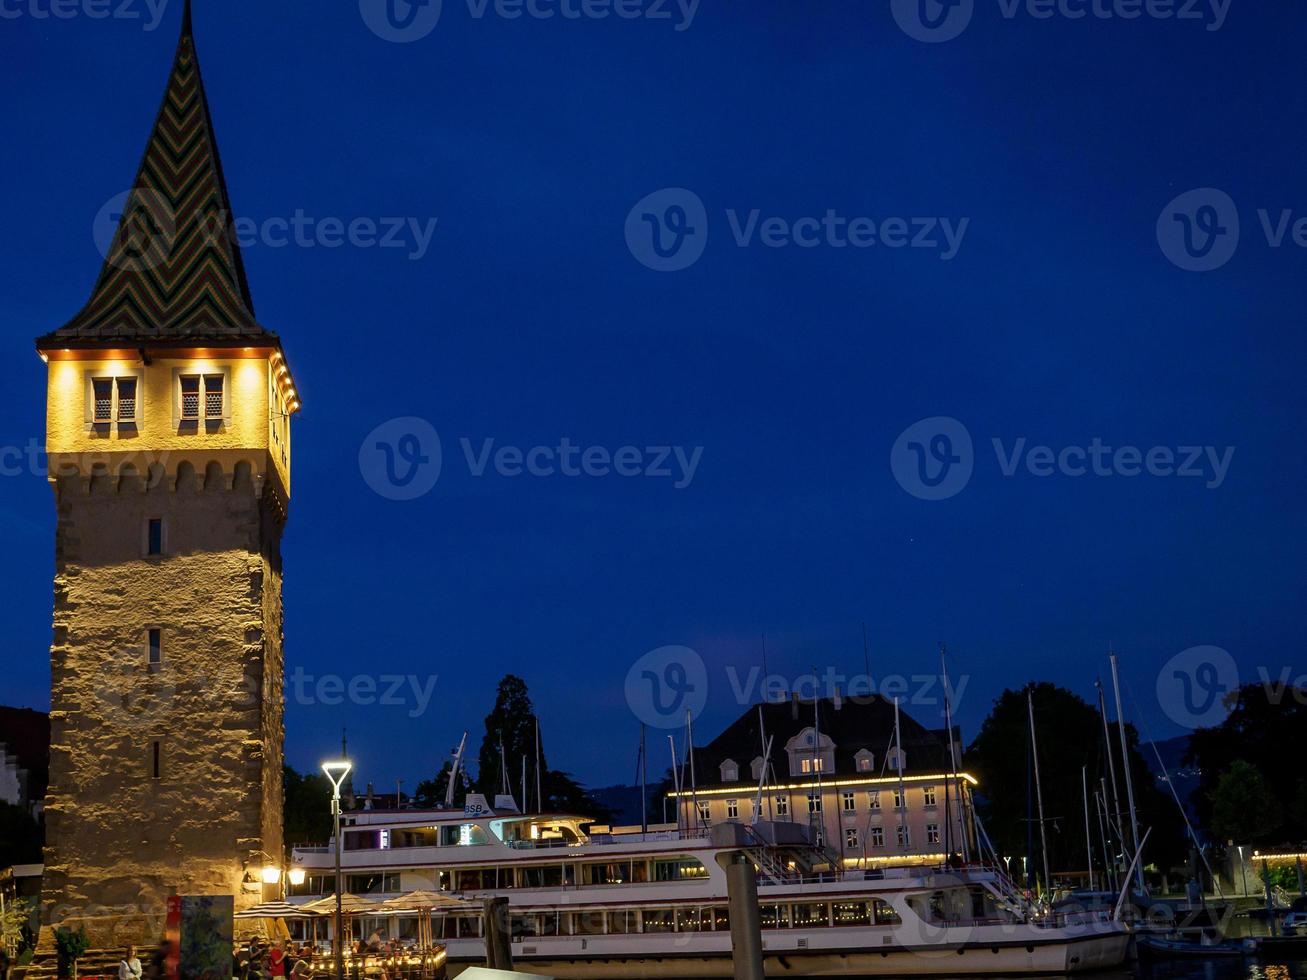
{"points": [[336, 772]]}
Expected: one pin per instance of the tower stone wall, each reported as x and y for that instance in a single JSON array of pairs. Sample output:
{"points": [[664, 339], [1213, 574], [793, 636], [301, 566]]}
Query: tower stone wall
{"points": [[124, 830]]}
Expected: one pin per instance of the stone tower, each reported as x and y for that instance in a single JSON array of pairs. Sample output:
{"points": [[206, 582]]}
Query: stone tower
{"points": [[168, 436]]}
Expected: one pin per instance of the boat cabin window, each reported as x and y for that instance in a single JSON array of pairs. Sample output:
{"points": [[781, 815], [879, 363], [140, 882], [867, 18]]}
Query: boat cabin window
{"points": [[679, 869], [462, 835]]}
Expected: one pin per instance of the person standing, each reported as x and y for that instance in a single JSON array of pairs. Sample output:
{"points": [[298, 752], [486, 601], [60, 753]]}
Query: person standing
{"points": [[277, 962], [129, 968]]}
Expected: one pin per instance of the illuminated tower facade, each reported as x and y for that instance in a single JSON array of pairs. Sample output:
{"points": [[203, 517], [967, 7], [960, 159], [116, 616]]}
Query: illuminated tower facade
{"points": [[168, 436]]}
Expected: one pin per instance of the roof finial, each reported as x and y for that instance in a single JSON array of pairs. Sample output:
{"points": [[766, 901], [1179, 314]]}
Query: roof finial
{"points": [[186, 18]]}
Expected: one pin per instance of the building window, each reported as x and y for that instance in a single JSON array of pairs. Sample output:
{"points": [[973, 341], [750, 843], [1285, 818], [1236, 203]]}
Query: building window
{"points": [[782, 806], [103, 388], [904, 836], [814, 803], [757, 809], [156, 760], [850, 803], [865, 762], [873, 799], [155, 643], [202, 397], [820, 838], [154, 537], [705, 812], [851, 839], [877, 836], [898, 799], [928, 796], [113, 400], [932, 833], [126, 399], [732, 809], [730, 772]]}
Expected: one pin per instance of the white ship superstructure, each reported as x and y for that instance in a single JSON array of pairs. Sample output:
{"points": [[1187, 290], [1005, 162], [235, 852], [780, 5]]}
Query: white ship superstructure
{"points": [[589, 901]]}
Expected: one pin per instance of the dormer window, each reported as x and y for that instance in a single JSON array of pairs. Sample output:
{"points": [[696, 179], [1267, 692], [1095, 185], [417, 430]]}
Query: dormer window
{"points": [[756, 768], [865, 761], [730, 771]]}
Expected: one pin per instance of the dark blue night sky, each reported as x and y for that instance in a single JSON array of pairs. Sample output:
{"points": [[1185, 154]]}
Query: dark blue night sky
{"points": [[1059, 320]]}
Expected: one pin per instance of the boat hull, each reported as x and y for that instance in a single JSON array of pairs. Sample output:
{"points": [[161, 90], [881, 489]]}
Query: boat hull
{"points": [[642, 958]]}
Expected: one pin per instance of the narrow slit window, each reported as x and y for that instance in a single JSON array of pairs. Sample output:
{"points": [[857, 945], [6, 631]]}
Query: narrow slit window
{"points": [[191, 397], [156, 647], [126, 399], [156, 759], [213, 396], [103, 393], [154, 544]]}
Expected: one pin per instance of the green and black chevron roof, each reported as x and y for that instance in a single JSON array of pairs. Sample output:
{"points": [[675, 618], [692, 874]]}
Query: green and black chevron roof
{"points": [[173, 273]]}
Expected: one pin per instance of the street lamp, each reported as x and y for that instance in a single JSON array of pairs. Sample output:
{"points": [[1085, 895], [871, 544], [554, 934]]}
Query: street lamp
{"points": [[336, 772]]}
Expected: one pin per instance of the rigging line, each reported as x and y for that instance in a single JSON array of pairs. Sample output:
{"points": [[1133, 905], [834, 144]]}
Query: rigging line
{"points": [[1170, 784]]}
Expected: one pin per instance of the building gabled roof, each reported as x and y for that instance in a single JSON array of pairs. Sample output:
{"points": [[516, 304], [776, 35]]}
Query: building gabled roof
{"points": [[173, 273], [857, 723]]}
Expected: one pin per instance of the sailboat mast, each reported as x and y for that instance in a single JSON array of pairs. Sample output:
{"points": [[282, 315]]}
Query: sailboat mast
{"points": [[1089, 840], [898, 764], [1114, 804], [676, 781], [1039, 790], [644, 783], [953, 762], [1125, 764], [689, 749], [540, 796]]}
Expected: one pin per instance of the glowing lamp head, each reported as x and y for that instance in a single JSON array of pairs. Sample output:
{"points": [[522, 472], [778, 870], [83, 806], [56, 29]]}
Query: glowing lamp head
{"points": [[295, 876], [337, 771], [271, 874]]}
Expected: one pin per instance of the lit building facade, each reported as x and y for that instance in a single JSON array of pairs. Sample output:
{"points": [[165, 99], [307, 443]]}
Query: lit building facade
{"points": [[168, 438], [835, 767]]}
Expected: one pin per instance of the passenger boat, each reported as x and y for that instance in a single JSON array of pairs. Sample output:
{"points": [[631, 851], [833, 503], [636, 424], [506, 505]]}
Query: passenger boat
{"points": [[595, 902]]}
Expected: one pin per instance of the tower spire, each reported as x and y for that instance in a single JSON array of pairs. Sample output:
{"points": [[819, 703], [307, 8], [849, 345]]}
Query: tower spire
{"points": [[173, 271]]}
